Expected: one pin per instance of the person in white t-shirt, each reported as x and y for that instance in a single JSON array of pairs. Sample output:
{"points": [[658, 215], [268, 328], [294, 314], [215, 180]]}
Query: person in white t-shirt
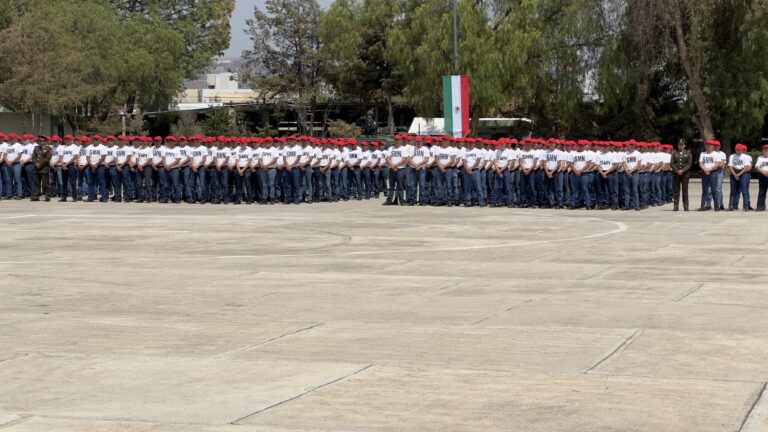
{"points": [[268, 170], [397, 160], [70, 151], [630, 164], [54, 165], [553, 177], [527, 163], [123, 184], [3, 169], [761, 165], [445, 159], [14, 186], [365, 168], [606, 178], [171, 160], [501, 192], [219, 172], [471, 160], [29, 144], [198, 155], [418, 171], [324, 162], [142, 154], [243, 155], [710, 163], [292, 156], [96, 152], [739, 167]]}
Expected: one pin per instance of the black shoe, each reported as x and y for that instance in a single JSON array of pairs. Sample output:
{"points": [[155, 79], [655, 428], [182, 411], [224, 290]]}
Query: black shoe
{"points": [[62, 200], [47, 199], [90, 200]]}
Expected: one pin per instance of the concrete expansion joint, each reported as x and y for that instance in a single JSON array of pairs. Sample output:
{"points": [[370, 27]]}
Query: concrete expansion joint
{"points": [[240, 420], [759, 405], [620, 347]]}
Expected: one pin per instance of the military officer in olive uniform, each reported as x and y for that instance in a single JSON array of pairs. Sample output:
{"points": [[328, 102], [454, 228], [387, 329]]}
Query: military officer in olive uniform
{"points": [[41, 157], [681, 167]]}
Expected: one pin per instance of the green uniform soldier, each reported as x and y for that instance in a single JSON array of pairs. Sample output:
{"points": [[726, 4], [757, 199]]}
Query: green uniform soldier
{"points": [[681, 166], [41, 157]]}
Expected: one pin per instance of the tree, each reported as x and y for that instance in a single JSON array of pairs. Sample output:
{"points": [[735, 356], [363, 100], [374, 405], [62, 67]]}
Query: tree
{"points": [[720, 47], [220, 121], [354, 36], [83, 61], [531, 57], [202, 24], [286, 59]]}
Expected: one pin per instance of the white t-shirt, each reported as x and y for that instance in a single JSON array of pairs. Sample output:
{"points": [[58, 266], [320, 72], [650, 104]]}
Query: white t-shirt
{"points": [[444, 156], [69, 153], [293, 154], [383, 158], [221, 154], [123, 154], [365, 159], [552, 158], [470, 156], [26, 152], [526, 158], [268, 155], [56, 153], [503, 157], [143, 155], [243, 156], [110, 152], [95, 152], [307, 152], [198, 153], [280, 155], [82, 155], [709, 160], [3, 148], [739, 162], [397, 156], [13, 151], [633, 159], [169, 157], [605, 160], [762, 163], [421, 154], [210, 153], [157, 154]]}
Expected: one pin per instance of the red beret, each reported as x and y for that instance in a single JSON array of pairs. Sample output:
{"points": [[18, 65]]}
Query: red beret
{"points": [[182, 138], [713, 142], [741, 147]]}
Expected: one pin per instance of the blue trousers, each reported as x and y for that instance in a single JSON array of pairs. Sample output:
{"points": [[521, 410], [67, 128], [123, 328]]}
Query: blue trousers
{"points": [[739, 188], [473, 183], [631, 191], [129, 184], [396, 186], [763, 182], [69, 179], [97, 178], [554, 189], [417, 186], [294, 181]]}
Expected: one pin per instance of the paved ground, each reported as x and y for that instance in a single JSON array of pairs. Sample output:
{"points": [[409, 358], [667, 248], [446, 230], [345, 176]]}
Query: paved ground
{"points": [[358, 317]]}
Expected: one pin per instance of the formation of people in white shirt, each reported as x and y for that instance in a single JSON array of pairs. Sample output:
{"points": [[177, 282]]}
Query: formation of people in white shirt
{"points": [[412, 170]]}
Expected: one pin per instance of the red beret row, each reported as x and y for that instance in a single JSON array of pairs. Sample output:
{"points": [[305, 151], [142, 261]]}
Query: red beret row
{"points": [[547, 142]]}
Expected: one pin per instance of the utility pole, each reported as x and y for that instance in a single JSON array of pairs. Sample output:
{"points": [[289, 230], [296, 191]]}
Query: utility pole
{"points": [[455, 40]]}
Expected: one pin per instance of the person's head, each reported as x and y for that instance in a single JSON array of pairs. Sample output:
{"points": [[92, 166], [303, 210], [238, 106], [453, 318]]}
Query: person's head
{"points": [[740, 148], [681, 144], [170, 141], [710, 145], [765, 150]]}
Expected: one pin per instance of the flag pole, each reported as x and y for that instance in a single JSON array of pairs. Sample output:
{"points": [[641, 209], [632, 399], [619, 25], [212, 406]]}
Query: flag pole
{"points": [[455, 40]]}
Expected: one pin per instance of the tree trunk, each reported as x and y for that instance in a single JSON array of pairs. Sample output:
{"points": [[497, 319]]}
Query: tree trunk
{"points": [[692, 70], [390, 116]]}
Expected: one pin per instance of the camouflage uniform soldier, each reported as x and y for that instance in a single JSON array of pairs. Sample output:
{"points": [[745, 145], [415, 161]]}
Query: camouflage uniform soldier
{"points": [[41, 157]]}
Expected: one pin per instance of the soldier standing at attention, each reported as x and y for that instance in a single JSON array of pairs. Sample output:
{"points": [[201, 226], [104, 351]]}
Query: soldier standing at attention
{"points": [[740, 165], [682, 160], [762, 177], [41, 158]]}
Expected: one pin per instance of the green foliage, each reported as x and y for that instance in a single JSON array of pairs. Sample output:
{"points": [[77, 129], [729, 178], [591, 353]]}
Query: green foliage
{"points": [[220, 121], [84, 60], [202, 24], [286, 59]]}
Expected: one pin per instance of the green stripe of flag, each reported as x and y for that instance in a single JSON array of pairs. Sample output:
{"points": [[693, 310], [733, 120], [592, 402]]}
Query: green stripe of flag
{"points": [[447, 104]]}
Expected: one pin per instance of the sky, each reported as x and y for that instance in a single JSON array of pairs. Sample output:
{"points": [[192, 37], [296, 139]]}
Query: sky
{"points": [[243, 11]]}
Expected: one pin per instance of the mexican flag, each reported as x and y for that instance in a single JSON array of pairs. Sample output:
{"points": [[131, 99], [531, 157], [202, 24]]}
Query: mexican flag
{"points": [[456, 105]]}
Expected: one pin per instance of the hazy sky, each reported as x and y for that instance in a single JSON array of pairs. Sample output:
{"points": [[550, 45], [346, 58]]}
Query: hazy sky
{"points": [[243, 11]]}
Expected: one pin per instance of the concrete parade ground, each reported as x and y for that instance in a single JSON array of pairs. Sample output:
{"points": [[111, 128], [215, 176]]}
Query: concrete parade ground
{"points": [[358, 317]]}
